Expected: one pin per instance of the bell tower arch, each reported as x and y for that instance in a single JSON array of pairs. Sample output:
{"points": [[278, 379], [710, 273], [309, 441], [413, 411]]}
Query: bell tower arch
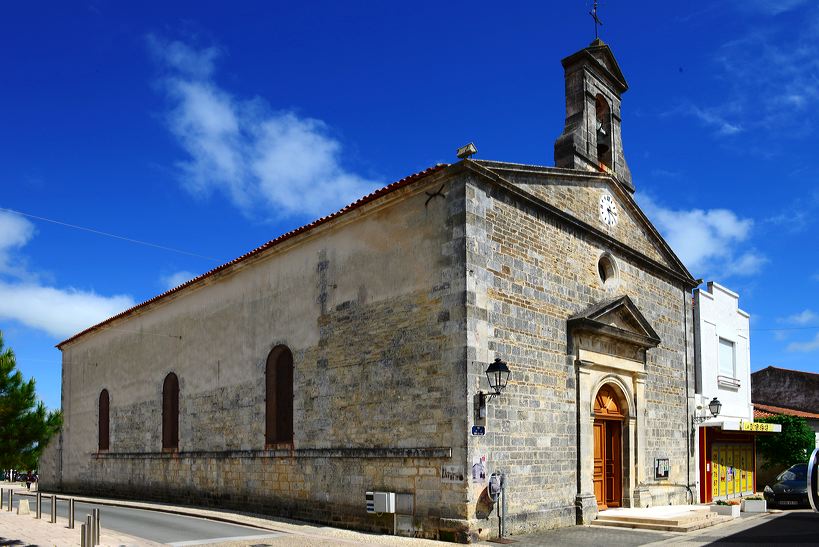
{"points": [[591, 139]]}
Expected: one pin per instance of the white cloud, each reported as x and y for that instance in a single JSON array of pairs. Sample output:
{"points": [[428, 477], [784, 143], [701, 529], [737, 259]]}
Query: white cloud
{"points": [[15, 232], [175, 279], [262, 160], [708, 241], [770, 7], [805, 347], [59, 312], [713, 118], [749, 263], [806, 317], [23, 298]]}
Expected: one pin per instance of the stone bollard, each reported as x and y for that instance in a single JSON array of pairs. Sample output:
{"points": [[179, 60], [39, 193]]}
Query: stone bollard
{"points": [[22, 508], [53, 508]]}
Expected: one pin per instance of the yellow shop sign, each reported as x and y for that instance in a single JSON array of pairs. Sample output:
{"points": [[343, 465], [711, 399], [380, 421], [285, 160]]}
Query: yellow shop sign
{"points": [[760, 426]]}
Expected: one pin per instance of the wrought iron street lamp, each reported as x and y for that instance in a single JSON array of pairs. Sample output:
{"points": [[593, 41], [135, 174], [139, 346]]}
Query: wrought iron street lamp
{"points": [[714, 407], [498, 376]]}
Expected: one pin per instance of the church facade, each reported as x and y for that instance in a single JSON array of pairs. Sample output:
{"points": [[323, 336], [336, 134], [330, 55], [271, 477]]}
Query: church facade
{"points": [[348, 356]]}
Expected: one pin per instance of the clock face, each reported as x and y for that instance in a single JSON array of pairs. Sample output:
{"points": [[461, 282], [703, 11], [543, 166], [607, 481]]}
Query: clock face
{"points": [[608, 210]]}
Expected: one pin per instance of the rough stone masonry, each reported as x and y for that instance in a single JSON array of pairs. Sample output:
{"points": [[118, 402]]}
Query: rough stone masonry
{"points": [[392, 310]]}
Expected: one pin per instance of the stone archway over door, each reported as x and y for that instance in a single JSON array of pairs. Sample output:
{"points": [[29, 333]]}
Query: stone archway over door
{"points": [[607, 346], [608, 448]]}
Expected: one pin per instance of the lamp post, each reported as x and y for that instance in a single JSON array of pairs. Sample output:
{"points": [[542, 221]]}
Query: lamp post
{"points": [[714, 407], [498, 376]]}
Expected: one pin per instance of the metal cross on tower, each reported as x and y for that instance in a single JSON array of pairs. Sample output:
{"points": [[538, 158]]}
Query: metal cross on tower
{"points": [[597, 21]]}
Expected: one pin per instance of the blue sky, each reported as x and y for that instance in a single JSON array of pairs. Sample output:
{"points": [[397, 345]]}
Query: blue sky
{"points": [[206, 129]]}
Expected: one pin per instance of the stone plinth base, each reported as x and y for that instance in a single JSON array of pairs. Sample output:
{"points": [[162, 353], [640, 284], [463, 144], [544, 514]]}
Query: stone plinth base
{"points": [[586, 505], [642, 497]]}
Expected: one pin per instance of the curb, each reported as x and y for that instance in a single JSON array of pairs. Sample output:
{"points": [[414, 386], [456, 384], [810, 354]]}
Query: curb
{"points": [[239, 519]]}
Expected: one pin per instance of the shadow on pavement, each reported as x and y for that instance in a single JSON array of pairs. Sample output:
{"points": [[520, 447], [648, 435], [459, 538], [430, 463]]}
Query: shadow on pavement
{"points": [[793, 528], [4, 541]]}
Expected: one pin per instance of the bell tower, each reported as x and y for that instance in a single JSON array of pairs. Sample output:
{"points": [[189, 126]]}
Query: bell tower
{"points": [[591, 138]]}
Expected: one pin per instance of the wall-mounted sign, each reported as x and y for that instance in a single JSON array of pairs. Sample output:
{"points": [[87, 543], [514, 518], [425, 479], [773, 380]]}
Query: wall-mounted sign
{"points": [[661, 468], [478, 430], [760, 426], [452, 473]]}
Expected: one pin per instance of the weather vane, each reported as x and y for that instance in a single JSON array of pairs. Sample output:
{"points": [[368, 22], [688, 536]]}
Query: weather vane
{"points": [[597, 21]]}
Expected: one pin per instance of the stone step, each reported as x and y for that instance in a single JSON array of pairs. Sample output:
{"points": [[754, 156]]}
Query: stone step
{"points": [[663, 525], [672, 520]]}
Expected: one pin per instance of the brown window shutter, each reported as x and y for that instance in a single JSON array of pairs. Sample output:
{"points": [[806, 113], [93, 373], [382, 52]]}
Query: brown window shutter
{"points": [[170, 412], [104, 440], [279, 396]]}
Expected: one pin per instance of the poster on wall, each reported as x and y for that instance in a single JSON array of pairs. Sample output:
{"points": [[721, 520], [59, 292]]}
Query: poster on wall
{"points": [[479, 470], [661, 468], [452, 473]]}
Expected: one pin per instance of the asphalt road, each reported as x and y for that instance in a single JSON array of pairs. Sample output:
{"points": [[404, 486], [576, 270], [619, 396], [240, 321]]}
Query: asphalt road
{"points": [[156, 525], [792, 527]]}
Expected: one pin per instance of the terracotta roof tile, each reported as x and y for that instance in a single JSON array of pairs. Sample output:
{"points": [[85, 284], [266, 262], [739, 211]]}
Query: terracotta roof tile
{"points": [[272, 243], [764, 411]]}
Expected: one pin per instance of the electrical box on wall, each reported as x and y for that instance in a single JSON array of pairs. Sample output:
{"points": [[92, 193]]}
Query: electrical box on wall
{"points": [[380, 502]]}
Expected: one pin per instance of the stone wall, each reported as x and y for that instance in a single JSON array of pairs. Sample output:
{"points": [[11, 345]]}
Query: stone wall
{"points": [[371, 306], [786, 388], [528, 272]]}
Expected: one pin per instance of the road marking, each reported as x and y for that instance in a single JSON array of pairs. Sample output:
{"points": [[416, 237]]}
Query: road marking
{"points": [[220, 540]]}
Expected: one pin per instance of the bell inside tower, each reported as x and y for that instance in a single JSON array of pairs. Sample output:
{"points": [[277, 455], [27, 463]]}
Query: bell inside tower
{"points": [[603, 119]]}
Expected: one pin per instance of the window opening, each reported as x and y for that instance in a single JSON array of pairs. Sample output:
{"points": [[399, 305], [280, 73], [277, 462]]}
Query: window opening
{"points": [[170, 413], [103, 433], [279, 396]]}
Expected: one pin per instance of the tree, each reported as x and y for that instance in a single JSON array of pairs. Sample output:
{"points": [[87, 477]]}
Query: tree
{"points": [[792, 445], [25, 425]]}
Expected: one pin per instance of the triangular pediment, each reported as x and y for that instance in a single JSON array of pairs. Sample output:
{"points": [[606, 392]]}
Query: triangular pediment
{"points": [[619, 318], [550, 187], [600, 55]]}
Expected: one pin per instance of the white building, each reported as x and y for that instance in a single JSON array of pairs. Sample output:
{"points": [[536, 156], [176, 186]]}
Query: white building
{"points": [[725, 443]]}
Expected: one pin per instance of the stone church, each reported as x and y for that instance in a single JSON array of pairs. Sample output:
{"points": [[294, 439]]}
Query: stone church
{"points": [[349, 355]]}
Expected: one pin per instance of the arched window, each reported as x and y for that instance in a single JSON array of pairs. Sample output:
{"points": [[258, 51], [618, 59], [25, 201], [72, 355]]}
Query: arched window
{"points": [[170, 412], [603, 112], [279, 396], [103, 438]]}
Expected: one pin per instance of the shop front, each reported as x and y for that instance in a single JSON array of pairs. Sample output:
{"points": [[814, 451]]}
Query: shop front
{"points": [[728, 459]]}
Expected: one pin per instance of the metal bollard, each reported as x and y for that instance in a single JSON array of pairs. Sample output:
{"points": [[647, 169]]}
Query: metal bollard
{"points": [[97, 527], [89, 533], [11, 499], [2, 497], [38, 506], [83, 540], [53, 508], [71, 512], [93, 526]]}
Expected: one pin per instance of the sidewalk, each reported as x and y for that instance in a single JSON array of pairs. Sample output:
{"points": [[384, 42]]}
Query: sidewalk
{"points": [[27, 530]]}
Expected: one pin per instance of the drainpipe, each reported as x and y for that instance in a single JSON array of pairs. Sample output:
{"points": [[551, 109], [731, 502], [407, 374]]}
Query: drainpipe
{"points": [[688, 441]]}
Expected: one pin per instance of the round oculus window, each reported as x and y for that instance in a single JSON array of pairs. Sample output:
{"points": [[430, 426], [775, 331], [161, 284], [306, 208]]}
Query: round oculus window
{"points": [[606, 269]]}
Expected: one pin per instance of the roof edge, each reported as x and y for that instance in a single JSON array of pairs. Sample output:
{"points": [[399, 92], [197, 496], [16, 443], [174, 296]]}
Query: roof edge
{"points": [[372, 196]]}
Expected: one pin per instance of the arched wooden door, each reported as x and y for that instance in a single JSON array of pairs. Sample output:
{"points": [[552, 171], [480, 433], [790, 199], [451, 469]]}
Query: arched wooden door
{"points": [[608, 448]]}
